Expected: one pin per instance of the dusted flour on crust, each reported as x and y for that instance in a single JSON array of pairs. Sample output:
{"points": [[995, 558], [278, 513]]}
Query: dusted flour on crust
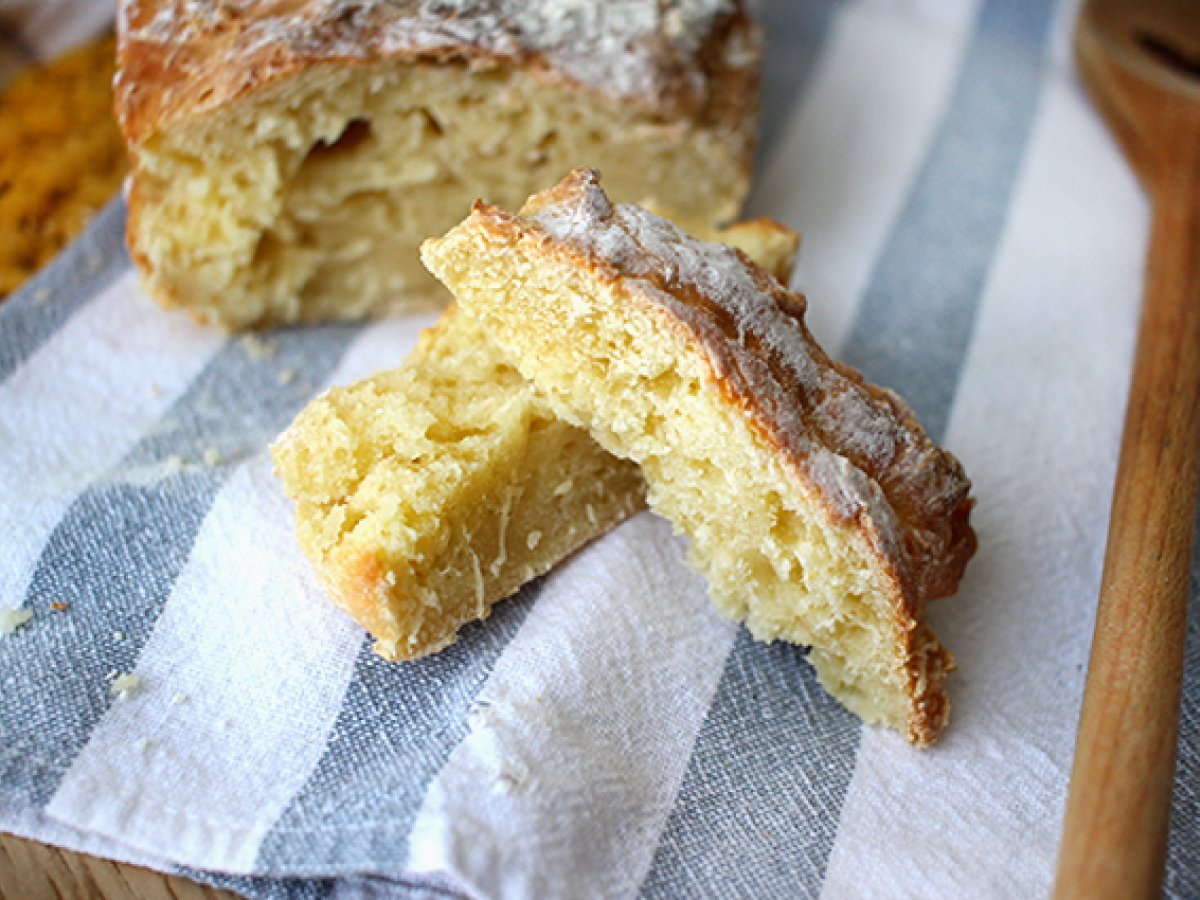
{"points": [[858, 442], [288, 156], [182, 55], [817, 508]]}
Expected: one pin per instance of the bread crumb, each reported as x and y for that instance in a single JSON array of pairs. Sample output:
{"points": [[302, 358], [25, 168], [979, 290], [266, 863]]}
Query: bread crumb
{"points": [[12, 619], [212, 457], [591, 513], [41, 295], [142, 745], [126, 686], [511, 778], [59, 606], [533, 539], [118, 636], [286, 377], [179, 699], [258, 348], [564, 488], [94, 263], [174, 463], [479, 588], [478, 714], [154, 390]]}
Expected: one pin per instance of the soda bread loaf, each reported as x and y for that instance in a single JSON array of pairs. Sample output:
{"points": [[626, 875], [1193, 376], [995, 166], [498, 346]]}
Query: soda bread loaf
{"points": [[817, 508], [288, 157], [426, 494]]}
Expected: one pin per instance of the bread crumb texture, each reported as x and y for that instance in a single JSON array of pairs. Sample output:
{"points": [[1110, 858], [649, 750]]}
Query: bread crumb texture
{"points": [[426, 494], [818, 510], [126, 686], [289, 158]]}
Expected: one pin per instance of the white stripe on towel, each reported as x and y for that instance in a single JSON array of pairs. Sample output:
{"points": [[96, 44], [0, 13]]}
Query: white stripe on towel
{"points": [[1034, 480], [847, 163], [246, 638], [583, 731], [120, 354]]}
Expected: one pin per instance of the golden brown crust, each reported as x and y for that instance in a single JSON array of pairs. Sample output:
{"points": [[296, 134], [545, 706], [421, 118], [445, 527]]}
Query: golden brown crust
{"points": [[799, 394], [855, 445], [184, 58], [357, 588]]}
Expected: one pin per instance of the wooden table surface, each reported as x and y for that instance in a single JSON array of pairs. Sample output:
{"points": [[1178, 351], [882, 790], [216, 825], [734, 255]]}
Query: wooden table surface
{"points": [[31, 871]]}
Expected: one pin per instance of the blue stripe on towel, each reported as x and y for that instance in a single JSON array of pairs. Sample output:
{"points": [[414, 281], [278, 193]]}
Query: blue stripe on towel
{"points": [[1183, 845], [75, 278], [355, 886], [918, 313], [398, 725], [757, 812], [913, 330], [116, 553], [264, 888], [794, 32]]}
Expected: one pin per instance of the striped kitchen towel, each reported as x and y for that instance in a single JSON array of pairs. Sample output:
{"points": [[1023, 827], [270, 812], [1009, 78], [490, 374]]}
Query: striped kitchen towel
{"points": [[184, 696]]}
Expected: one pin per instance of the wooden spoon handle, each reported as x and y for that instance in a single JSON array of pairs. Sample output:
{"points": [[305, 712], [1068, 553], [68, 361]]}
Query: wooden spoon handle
{"points": [[1118, 809]]}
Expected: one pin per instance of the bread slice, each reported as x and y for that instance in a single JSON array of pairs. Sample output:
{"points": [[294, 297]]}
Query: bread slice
{"points": [[816, 507], [426, 494], [288, 158]]}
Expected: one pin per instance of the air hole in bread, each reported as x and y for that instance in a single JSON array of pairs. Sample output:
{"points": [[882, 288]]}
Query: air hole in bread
{"points": [[433, 128], [350, 169], [544, 149], [354, 135]]}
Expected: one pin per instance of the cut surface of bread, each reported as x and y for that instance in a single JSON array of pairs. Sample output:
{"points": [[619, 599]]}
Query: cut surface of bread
{"points": [[816, 507], [426, 494], [288, 158]]}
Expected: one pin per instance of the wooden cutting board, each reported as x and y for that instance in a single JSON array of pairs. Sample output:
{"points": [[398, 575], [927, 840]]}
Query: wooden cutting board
{"points": [[33, 871]]}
